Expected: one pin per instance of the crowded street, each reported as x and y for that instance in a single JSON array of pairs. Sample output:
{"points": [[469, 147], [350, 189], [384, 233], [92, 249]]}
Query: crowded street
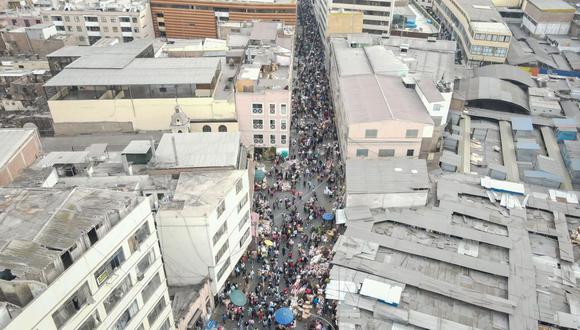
{"points": [[286, 268]]}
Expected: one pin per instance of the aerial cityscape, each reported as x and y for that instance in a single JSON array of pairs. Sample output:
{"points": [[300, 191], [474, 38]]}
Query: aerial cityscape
{"points": [[289, 164]]}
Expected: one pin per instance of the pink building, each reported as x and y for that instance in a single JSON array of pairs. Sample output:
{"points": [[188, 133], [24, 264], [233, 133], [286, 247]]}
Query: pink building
{"points": [[20, 147], [263, 88]]}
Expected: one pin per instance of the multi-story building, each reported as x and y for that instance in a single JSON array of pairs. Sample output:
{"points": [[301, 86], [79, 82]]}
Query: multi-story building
{"points": [[264, 88], [376, 19], [478, 28], [198, 19], [542, 17], [80, 258], [123, 88], [89, 21], [379, 114], [204, 224], [20, 17]]}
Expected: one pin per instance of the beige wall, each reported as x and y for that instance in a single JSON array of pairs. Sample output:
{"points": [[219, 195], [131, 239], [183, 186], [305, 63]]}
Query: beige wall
{"points": [[348, 22], [390, 135], [23, 158], [143, 114], [204, 294]]}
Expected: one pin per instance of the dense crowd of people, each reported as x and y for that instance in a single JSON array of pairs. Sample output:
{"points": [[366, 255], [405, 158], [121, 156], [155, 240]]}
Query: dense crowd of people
{"points": [[288, 263]]}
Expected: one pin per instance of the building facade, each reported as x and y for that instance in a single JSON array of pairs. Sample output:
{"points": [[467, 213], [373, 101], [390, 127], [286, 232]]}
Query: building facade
{"points": [[377, 15], [21, 148], [90, 21], [199, 19], [104, 272], [264, 88], [476, 24], [109, 92], [207, 224], [543, 17]]}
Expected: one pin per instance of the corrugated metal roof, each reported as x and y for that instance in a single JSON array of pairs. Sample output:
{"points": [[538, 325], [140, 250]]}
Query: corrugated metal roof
{"points": [[12, 140], [376, 176], [63, 157], [522, 124], [552, 5], [505, 72], [199, 149], [137, 147]]}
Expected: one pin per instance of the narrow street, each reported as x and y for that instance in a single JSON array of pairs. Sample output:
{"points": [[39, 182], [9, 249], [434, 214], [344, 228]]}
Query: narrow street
{"points": [[288, 263]]}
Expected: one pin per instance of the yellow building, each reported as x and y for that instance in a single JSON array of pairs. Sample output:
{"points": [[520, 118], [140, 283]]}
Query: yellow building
{"points": [[111, 92], [476, 24], [344, 23]]}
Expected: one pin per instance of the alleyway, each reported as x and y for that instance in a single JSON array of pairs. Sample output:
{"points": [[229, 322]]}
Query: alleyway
{"points": [[287, 265]]}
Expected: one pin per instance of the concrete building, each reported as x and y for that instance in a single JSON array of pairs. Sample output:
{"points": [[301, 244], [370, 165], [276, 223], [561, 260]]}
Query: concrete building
{"points": [[542, 17], [264, 88], [122, 88], [175, 18], [378, 111], [330, 16], [381, 183], [39, 40], [80, 259], [204, 225], [19, 149], [89, 21], [482, 35], [20, 17], [412, 20]]}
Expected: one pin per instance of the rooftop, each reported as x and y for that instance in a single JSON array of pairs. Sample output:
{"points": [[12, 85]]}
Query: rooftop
{"points": [[106, 6], [12, 140], [374, 176], [553, 5], [199, 150]]}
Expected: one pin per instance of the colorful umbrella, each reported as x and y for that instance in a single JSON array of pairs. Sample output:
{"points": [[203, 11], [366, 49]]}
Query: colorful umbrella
{"points": [[238, 298], [284, 154], [259, 175], [328, 216], [284, 316], [268, 242]]}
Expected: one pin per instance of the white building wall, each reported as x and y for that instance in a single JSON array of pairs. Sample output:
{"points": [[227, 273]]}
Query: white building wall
{"points": [[387, 200], [38, 313], [443, 110], [187, 240]]}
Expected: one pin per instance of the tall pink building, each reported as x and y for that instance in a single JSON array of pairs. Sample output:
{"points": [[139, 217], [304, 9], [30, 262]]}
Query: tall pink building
{"points": [[264, 88]]}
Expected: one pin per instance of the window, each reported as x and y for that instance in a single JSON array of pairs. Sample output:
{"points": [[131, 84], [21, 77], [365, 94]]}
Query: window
{"points": [[166, 325], [159, 307], [134, 19], [81, 38], [91, 19], [410, 152], [244, 220], [115, 29], [159, 15], [221, 252], [139, 237], [244, 237], [93, 28], [258, 124], [91, 323], [60, 28], [151, 287], [113, 20], [206, 129], [272, 124], [221, 208], [412, 133], [272, 139], [283, 109], [69, 28], [103, 273], [282, 124], [144, 264], [258, 138], [38, 21], [103, 19], [283, 139], [257, 108], [77, 19], [362, 152], [272, 109], [220, 232], [437, 107], [126, 317], [386, 152], [71, 307], [125, 19], [105, 29], [117, 294], [136, 30], [79, 29], [243, 203], [223, 269], [222, 128], [126, 29], [67, 18], [371, 133]]}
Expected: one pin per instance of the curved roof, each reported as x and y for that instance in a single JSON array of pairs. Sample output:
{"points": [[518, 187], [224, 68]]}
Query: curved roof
{"points": [[505, 72], [497, 90]]}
